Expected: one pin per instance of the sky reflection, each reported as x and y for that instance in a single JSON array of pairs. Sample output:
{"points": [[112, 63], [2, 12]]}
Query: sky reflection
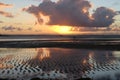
{"points": [[43, 53], [74, 62]]}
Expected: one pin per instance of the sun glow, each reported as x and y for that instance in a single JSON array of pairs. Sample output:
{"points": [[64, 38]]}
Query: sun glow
{"points": [[62, 29]]}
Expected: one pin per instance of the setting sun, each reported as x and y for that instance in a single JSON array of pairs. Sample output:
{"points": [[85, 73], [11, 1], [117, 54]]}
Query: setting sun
{"points": [[62, 29]]}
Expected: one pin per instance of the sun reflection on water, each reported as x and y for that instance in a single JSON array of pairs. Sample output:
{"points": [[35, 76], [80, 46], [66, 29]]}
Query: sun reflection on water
{"points": [[44, 54]]}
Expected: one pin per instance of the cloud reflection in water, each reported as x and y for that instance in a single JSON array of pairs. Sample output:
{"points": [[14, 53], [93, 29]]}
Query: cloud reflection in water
{"points": [[57, 62]]}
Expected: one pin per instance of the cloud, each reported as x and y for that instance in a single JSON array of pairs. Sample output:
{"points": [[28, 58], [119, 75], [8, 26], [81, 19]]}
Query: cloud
{"points": [[37, 0], [1, 22], [2, 5], [34, 10], [11, 28], [103, 16], [19, 29], [3, 13], [29, 28], [6, 14], [118, 12], [72, 13]]}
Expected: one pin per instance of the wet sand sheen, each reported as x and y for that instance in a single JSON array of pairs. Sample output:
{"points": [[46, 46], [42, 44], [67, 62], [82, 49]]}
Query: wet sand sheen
{"points": [[60, 63]]}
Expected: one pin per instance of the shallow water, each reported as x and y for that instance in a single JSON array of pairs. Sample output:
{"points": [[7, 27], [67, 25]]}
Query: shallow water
{"points": [[61, 63]]}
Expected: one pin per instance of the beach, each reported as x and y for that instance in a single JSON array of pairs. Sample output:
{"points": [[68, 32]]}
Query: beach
{"points": [[59, 58], [59, 64], [68, 41]]}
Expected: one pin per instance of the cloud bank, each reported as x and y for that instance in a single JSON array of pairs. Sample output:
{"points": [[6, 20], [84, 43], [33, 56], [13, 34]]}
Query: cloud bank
{"points": [[11, 28], [3, 13], [72, 13]]}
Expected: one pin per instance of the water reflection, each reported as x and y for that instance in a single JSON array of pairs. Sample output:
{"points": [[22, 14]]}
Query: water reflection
{"points": [[43, 53], [60, 63]]}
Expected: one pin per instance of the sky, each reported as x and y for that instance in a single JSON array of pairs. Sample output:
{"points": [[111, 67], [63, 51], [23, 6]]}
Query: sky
{"points": [[59, 16]]}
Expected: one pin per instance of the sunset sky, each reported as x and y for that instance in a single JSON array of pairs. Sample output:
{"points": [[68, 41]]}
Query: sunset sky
{"points": [[59, 16]]}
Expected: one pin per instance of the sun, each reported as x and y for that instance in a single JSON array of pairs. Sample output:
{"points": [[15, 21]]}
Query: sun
{"points": [[62, 29]]}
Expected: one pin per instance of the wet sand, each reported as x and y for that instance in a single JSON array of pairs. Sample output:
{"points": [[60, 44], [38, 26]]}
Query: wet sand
{"points": [[67, 67], [58, 64]]}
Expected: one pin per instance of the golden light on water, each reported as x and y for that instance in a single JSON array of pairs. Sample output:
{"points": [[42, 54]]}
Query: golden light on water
{"points": [[45, 53], [62, 29]]}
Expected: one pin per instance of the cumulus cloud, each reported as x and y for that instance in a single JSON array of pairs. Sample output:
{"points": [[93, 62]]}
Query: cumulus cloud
{"points": [[72, 13], [118, 12], [3, 13], [11, 28], [103, 16]]}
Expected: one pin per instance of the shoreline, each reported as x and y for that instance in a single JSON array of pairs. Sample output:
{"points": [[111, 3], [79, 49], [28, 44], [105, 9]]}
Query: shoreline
{"points": [[103, 45]]}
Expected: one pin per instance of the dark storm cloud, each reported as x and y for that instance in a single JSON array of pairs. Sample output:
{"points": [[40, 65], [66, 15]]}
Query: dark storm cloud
{"points": [[118, 12], [11, 28], [72, 13], [103, 16], [34, 10]]}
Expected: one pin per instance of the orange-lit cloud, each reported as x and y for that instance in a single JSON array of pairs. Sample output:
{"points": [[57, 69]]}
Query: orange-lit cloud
{"points": [[3, 13], [72, 13], [2, 5], [6, 14]]}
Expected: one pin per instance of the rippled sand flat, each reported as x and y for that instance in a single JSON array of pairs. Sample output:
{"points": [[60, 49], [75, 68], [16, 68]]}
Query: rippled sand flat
{"points": [[59, 63]]}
